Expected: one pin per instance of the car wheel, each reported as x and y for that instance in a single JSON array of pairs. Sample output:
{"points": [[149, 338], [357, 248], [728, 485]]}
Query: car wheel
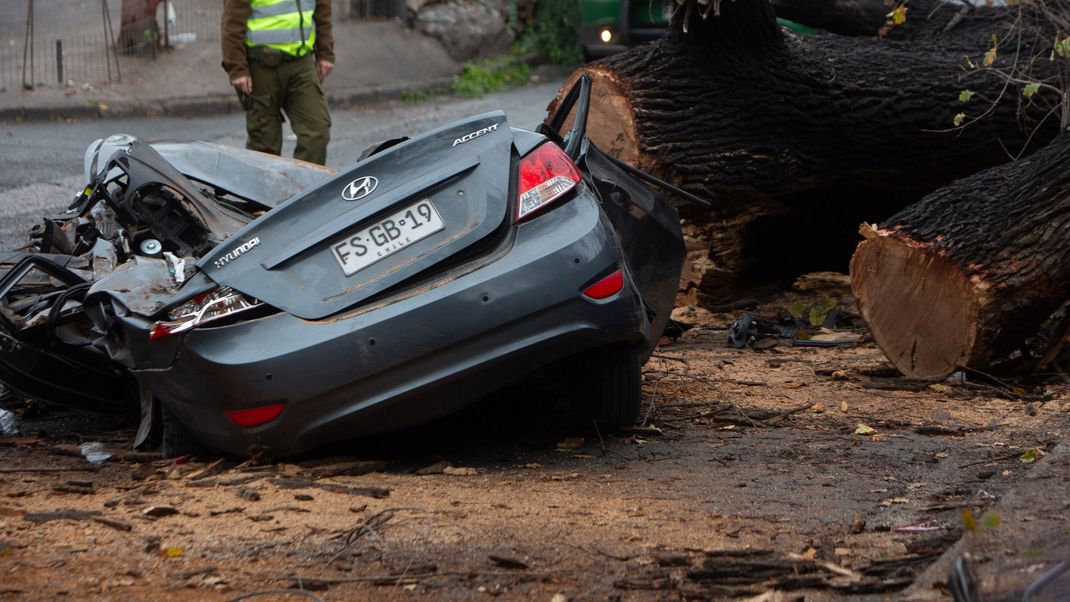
{"points": [[177, 439], [609, 385]]}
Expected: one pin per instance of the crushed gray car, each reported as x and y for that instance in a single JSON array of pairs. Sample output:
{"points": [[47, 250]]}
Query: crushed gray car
{"points": [[252, 304]]}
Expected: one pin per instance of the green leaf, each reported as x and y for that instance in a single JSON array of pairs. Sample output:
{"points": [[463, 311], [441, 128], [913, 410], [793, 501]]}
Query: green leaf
{"points": [[819, 311], [899, 15], [965, 95], [797, 309], [1062, 47], [1030, 89], [990, 520], [958, 119], [1029, 457]]}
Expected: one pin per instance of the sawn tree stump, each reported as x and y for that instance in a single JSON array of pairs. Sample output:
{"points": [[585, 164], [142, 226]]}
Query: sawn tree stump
{"points": [[964, 275]]}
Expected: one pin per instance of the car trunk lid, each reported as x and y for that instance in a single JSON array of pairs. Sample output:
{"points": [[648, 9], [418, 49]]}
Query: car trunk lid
{"points": [[392, 216]]}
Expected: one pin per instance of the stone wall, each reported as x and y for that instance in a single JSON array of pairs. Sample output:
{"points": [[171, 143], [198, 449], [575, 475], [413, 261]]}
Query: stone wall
{"points": [[469, 29]]}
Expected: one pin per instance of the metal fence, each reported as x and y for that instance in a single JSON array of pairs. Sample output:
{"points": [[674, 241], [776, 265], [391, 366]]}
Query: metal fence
{"points": [[65, 42], [57, 62]]}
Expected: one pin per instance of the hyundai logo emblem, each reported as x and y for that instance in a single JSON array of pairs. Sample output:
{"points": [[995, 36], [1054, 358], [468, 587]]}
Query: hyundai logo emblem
{"points": [[360, 188]]}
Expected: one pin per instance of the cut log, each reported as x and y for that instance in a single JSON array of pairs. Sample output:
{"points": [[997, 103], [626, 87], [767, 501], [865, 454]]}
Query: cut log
{"points": [[963, 276], [795, 139]]}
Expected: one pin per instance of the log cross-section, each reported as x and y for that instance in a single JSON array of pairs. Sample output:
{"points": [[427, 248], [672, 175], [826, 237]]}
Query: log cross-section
{"points": [[964, 275]]}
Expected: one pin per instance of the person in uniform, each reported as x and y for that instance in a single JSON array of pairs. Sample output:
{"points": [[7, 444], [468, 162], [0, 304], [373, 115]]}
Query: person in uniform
{"points": [[277, 54]]}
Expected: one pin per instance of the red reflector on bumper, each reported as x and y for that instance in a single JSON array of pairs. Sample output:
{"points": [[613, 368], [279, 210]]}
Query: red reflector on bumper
{"points": [[254, 416], [610, 285]]}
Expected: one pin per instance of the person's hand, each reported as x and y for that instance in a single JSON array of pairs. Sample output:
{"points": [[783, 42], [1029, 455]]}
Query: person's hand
{"points": [[244, 84], [323, 68]]}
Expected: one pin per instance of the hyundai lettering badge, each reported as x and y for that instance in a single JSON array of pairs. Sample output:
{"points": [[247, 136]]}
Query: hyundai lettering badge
{"points": [[360, 188]]}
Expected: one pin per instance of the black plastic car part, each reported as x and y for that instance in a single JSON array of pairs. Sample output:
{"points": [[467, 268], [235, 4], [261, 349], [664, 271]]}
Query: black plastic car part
{"points": [[79, 376]]}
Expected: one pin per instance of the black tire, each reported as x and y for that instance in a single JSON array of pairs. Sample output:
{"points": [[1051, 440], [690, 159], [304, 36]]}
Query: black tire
{"points": [[177, 439], [608, 384]]}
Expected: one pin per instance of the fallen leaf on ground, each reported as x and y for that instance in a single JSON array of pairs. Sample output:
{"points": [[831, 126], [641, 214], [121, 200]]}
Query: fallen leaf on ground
{"points": [[864, 429], [969, 521], [990, 520], [1030, 456], [460, 471], [570, 443]]}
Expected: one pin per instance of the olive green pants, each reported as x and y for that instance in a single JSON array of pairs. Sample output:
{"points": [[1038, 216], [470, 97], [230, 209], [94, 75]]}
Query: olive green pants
{"points": [[293, 88]]}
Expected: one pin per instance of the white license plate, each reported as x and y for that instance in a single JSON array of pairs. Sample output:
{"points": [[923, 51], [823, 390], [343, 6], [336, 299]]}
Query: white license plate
{"points": [[387, 236]]}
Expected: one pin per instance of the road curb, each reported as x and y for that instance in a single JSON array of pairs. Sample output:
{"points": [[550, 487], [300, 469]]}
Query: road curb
{"points": [[211, 104]]}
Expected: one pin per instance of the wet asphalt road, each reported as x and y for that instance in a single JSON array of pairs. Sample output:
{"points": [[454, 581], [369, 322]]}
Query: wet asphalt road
{"points": [[41, 163]]}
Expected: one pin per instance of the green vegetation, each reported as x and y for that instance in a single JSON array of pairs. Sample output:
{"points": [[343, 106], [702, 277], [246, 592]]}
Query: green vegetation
{"points": [[546, 28], [551, 34], [415, 96], [491, 75]]}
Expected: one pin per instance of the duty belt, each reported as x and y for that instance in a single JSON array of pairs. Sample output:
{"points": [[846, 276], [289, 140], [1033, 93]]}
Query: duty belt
{"points": [[270, 56]]}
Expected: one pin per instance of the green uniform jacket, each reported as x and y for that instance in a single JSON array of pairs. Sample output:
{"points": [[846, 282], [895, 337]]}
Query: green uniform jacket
{"points": [[236, 13]]}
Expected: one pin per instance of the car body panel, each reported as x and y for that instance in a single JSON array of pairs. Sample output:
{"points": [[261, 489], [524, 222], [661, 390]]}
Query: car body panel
{"points": [[250, 175], [292, 265], [505, 320]]}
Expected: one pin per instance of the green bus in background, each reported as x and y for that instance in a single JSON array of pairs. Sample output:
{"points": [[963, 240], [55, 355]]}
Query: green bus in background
{"points": [[610, 26]]}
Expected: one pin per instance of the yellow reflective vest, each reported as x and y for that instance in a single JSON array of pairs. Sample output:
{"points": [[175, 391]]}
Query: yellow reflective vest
{"points": [[286, 25]]}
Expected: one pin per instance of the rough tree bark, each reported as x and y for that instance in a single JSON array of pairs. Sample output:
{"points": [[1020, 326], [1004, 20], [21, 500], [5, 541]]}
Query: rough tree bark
{"points": [[841, 17], [796, 139], [961, 277], [960, 23]]}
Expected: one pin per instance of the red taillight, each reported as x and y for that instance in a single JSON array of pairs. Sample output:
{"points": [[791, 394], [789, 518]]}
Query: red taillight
{"points": [[606, 287], [205, 307], [546, 174], [254, 416]]}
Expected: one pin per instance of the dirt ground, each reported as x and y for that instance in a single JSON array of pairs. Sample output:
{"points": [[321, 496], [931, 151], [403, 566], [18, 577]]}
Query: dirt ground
{"points": [[783, 472]]}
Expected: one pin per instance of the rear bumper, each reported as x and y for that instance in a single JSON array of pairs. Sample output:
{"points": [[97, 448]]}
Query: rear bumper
{"points": [[412, 360]]}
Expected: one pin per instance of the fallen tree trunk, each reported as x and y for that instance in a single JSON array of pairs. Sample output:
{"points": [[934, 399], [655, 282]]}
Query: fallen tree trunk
{"points": [[795, 139], [841, 17], [970, 27], [964, 275]]}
